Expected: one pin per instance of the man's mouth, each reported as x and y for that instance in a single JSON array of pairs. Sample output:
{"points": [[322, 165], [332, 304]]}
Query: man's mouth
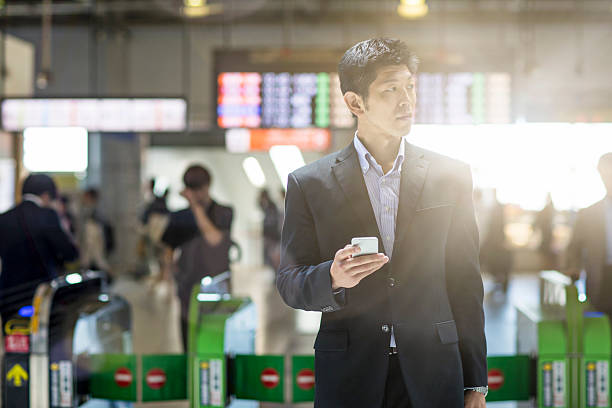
{"points": [[404, 116]]}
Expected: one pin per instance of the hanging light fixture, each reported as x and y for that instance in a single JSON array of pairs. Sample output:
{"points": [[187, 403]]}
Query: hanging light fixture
{"points": [[412, 9], [199, 8]]}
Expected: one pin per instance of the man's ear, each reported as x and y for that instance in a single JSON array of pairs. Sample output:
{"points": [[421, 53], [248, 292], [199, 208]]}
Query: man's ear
{"points": [[354, 102]]}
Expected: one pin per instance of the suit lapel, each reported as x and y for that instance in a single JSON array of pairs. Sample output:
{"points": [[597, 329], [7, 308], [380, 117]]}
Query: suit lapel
{"points": [[350, 177], [414, 172]]}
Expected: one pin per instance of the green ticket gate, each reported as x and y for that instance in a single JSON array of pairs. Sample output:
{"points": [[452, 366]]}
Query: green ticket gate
{"points": [[569, 365]]}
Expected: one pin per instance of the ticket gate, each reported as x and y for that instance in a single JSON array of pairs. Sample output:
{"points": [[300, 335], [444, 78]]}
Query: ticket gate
{"points": [[563, 359], [72, 316]]}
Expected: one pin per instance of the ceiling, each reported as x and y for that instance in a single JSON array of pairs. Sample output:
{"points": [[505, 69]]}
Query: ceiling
{"points": [[27, 12]]}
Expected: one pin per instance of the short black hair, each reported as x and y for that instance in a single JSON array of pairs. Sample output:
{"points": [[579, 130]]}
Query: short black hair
{"points": [[38, 184], [196, 176], [359, 64]]}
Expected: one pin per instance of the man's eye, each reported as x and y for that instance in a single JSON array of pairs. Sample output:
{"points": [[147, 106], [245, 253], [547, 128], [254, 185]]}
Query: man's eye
{"points": [[411, 86], [392, 89]]}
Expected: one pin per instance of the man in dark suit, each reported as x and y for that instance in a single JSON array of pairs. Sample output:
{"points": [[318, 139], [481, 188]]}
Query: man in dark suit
{"points": [[33, 245], [403, 328], [590, 247]]}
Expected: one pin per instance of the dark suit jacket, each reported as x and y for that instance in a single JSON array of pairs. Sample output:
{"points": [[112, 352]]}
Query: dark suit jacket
{"points": [[29, 261], [587, 249], [431, 291]]}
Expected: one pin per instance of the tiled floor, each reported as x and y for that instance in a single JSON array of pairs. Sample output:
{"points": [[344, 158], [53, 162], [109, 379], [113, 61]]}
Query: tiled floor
{"points": [[155, 318]]}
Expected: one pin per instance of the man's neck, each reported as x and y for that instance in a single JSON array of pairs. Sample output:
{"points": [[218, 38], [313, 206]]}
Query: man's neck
{"points": [[383, 147]]}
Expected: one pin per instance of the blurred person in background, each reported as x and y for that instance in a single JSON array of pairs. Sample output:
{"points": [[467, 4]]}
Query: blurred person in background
{"points": [[33, 244], [271, 230], [157, 204], [202, 233], [97, 240], [66, 216], [590, 248], [495, 255], [543, 222], [150, 250]]}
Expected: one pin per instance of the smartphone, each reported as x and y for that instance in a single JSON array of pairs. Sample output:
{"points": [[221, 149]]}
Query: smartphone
{"points": [[368, 245]]}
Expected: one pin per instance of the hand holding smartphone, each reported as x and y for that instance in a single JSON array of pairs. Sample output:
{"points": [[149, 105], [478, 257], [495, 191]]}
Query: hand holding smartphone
{"points": [[356, 261], [368, 245]]}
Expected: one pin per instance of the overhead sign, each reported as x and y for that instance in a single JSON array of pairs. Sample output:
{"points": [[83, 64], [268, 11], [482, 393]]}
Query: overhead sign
{"points": [[281, 100], [248, 140], [96, 115]]}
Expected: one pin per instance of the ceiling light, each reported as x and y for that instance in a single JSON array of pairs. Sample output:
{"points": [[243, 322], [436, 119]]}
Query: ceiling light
{"points": [[412, 9], [254, 172], [199, 8], [286, 159]]}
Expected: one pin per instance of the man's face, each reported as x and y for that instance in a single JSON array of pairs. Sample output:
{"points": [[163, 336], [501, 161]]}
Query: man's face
{"points": [[391, 101], [202, 194]]}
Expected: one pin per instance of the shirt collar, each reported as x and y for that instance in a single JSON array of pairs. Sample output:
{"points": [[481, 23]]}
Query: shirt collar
{"points": [[366, 159], [33, 198]]}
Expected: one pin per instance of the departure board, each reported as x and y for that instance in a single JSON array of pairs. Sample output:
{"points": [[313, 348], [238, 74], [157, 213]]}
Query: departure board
{"points": [[281, 100], [309, 99], [463, 98]]}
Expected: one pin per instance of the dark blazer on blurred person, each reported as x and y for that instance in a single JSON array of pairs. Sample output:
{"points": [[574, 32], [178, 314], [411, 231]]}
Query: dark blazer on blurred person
{"points": [[591, 245], [33, 246], [587, 250], [430, 292]]}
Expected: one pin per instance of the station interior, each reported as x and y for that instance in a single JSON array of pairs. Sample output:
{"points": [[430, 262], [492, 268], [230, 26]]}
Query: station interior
{"points": [[116, 99]]}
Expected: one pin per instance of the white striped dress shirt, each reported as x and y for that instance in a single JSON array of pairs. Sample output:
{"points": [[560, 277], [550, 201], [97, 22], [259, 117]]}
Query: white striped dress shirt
{"points": [[384, 191]]}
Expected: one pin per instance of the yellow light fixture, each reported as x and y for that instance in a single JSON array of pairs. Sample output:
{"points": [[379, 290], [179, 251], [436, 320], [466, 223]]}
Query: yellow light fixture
{"points": [[199, 8], [412, 9]]}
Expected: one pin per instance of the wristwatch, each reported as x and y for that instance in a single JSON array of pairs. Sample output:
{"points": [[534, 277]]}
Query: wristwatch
{"points": [[483, 390]]}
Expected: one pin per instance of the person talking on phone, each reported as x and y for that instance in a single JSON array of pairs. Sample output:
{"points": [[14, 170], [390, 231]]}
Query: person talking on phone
{"points": [[403, 327]]}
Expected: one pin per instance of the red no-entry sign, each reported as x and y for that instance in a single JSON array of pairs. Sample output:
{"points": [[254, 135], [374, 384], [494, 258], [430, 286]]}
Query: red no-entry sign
{"points": [[156, 378], [305, 379], [496, 379], [123, 377], [270, 378]]}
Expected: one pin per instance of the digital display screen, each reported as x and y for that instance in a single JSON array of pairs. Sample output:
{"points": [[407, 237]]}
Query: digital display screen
{"points": [[463, 98], [96, 115], [302, 100], [281, 100], [299, 88]]}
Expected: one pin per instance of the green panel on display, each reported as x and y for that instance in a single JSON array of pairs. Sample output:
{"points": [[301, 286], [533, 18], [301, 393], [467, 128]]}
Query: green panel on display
{"points": [[595, 365], [303, 378], [164, 377], [259, 378], [509, 378], [553, 366], [113, 376]]}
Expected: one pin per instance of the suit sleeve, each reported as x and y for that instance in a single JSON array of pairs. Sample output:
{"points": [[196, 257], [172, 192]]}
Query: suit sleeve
{"points": [[63, 246], [464, 286], [303, 281]]}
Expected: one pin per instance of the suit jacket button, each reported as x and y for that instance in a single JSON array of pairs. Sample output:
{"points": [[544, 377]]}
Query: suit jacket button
{"points": [[391, 282], [385, 328]]}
